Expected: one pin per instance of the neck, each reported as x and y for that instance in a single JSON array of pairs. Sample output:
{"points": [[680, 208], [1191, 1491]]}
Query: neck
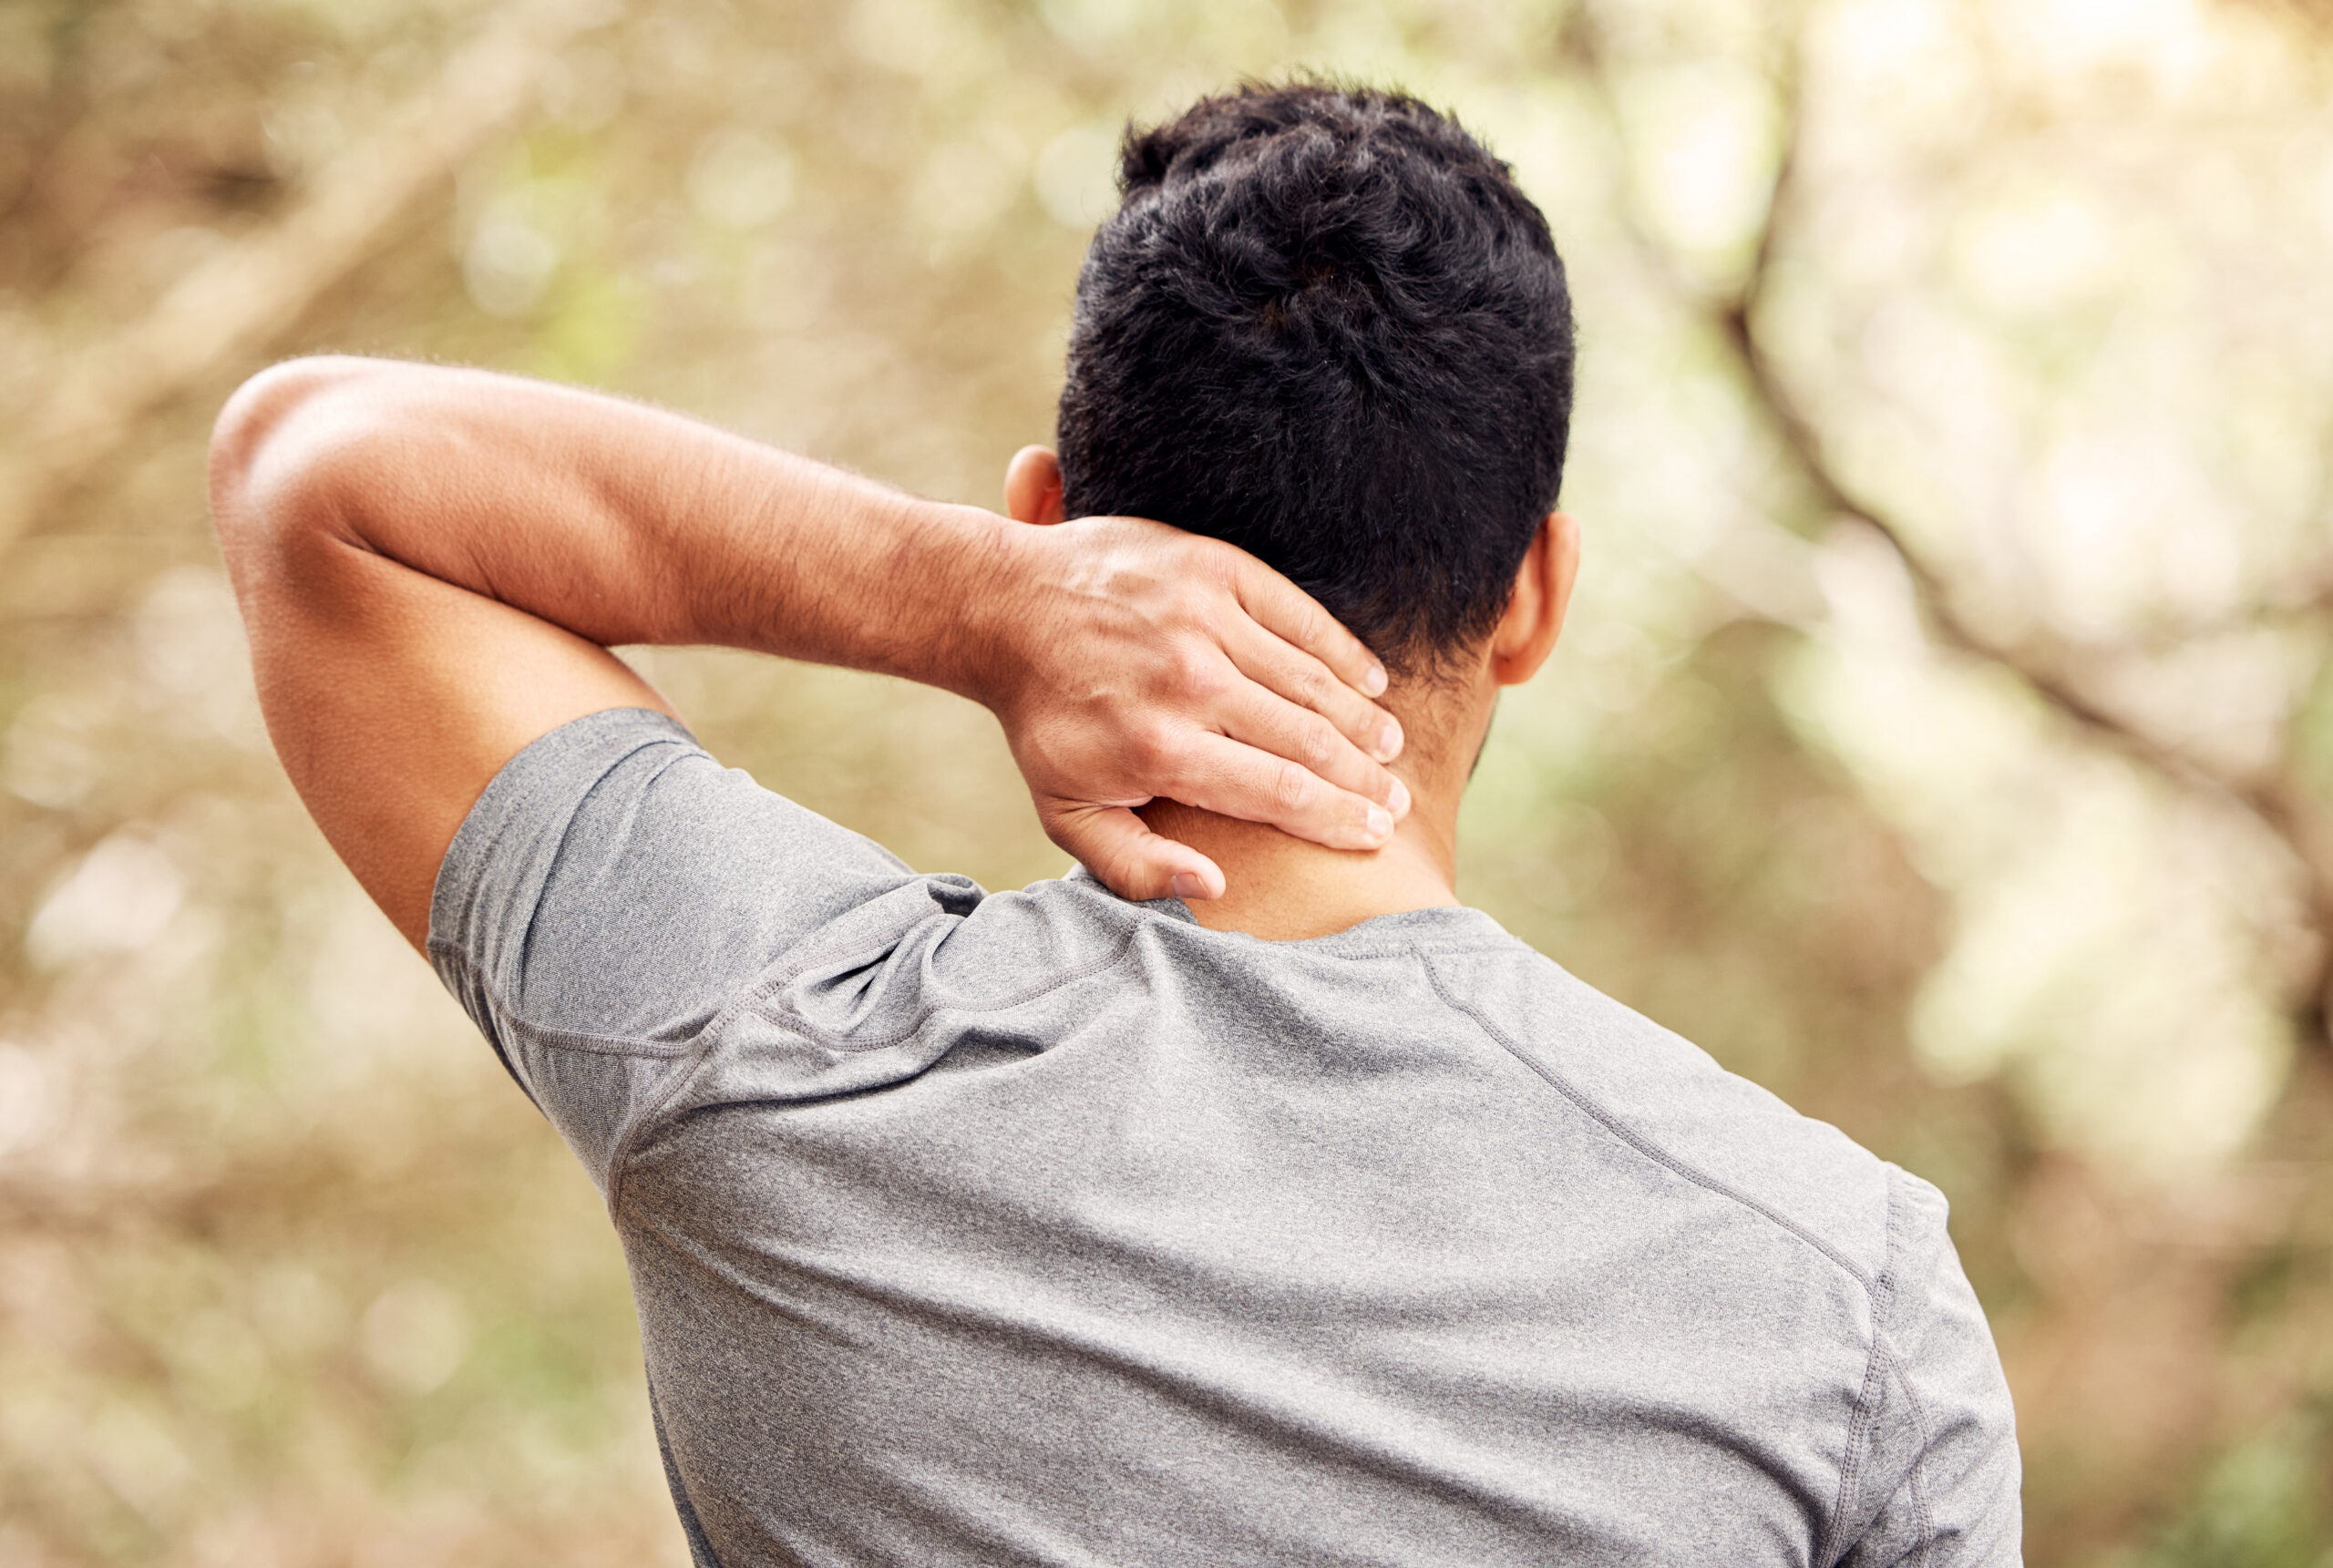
{"points": [[1284, 889]]}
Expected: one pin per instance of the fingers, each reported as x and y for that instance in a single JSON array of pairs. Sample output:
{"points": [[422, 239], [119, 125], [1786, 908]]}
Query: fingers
{"points": [[1304, 680], [1132, 862], [1233, 779], [1282, 607], [1254, 716]]}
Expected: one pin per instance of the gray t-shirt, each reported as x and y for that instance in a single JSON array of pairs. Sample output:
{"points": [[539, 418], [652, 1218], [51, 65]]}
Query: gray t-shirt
{"points": [[1044, 1227]]}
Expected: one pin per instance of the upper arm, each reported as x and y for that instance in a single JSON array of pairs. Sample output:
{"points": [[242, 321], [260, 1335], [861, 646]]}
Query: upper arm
{"points": [[612, 893], [392, 695]]}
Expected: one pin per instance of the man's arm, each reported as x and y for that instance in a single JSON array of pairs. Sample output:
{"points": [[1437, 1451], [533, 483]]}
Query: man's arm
{"points": [[432, 564]]}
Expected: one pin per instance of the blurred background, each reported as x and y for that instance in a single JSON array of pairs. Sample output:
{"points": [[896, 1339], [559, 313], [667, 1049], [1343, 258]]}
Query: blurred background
{"points": [[1944, 738]]}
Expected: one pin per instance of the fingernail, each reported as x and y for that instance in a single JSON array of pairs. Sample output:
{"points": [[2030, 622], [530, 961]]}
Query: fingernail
{"points": [[1373, 681], [1400, 804], [1381, 821], [1187, 885], [1389, 741]]}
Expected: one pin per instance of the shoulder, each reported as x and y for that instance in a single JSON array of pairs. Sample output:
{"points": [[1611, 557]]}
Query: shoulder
{"points": [[1935, 1461], [1938, 1470], [910, 968], [1667, 1101]]}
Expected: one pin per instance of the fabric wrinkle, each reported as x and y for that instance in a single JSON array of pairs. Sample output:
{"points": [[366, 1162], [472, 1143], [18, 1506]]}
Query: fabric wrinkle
{"points": [[1048, 1227]]}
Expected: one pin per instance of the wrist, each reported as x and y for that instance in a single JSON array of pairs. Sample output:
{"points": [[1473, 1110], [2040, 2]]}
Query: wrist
{"points": [[957, 590], [862, 576]]}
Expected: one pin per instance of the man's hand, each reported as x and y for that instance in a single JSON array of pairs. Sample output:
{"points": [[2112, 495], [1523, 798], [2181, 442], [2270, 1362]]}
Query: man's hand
{"points": [[1130, 660]]}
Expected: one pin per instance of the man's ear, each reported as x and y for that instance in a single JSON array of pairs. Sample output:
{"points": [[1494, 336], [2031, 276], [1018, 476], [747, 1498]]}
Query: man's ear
{"points": [[1033, 485], [1534, 613]]}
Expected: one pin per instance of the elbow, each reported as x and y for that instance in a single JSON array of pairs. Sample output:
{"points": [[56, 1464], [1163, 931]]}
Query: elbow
{"points": [[278, 450]]}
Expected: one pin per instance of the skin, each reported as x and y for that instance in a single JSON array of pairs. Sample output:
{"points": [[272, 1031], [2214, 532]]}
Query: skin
{"points": [[432, 564], [1283, 889]]}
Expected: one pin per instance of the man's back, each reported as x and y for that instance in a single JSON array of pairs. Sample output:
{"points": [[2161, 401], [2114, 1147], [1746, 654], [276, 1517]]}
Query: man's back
{"points": [[1047, 1228]]}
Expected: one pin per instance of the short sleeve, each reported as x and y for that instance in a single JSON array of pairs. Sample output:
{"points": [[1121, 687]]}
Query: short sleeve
{"points": [[613, 889], [1935, 1478]]}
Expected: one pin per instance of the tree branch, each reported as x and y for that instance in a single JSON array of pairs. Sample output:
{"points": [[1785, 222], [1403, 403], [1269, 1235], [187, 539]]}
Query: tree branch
{"points": [[2049, 667], [236, 304]]}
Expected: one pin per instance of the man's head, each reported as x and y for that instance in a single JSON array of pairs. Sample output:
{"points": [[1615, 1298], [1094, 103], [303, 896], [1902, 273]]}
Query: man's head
{"points": [[1326, 326]]}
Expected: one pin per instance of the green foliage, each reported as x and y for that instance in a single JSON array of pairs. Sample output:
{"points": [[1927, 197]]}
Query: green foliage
{"points": [[2261, 1505], [2312, 732]]}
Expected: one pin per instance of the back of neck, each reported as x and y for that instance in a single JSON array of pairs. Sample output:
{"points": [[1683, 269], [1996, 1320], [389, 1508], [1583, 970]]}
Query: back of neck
{"points": [[1285, 889]]}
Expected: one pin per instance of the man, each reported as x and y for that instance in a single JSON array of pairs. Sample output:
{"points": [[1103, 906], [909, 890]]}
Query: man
{"points": [[1273, 1208]]}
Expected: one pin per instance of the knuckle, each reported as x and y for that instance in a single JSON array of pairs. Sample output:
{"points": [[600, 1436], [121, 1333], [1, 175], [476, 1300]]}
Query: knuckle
{"points": [[1292, 786], [1307, 626], [1195, 674], [1156, 747], [1318, 745]]}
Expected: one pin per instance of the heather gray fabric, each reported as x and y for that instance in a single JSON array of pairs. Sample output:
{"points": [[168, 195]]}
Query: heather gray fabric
{"points": [[1042, 1227]]}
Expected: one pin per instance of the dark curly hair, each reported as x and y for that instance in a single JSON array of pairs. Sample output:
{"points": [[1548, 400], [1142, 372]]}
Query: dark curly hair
{"points": [[1325, 326]]}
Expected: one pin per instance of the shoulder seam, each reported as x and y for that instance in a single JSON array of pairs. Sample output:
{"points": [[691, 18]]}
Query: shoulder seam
{"points": [[1450, 948], [510, 1018], [699, 1047], [700, 1044], [1642, 1144], [795, 1021], [1923, 1516], [564, 1038], [1923, 1520], [1876, 1365]]}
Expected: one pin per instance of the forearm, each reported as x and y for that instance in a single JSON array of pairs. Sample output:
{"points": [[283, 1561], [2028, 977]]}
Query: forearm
{"points": [[620, 523]]}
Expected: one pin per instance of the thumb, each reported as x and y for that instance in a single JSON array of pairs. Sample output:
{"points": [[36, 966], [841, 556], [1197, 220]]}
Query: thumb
{"points": [[1132, 862]]}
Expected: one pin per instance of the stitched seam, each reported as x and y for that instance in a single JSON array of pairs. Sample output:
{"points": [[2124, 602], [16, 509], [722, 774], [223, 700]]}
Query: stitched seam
{"points": [[1644, 1145], [632, 1045], [565, 1039], [1448, 948], [753, 994], [700, 1049], [619, 1157], [1859, 1430], [792, 1018], [710, 1035], [603, 1045], [600, 1045], [1923, 1520], [680, 1051]]}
